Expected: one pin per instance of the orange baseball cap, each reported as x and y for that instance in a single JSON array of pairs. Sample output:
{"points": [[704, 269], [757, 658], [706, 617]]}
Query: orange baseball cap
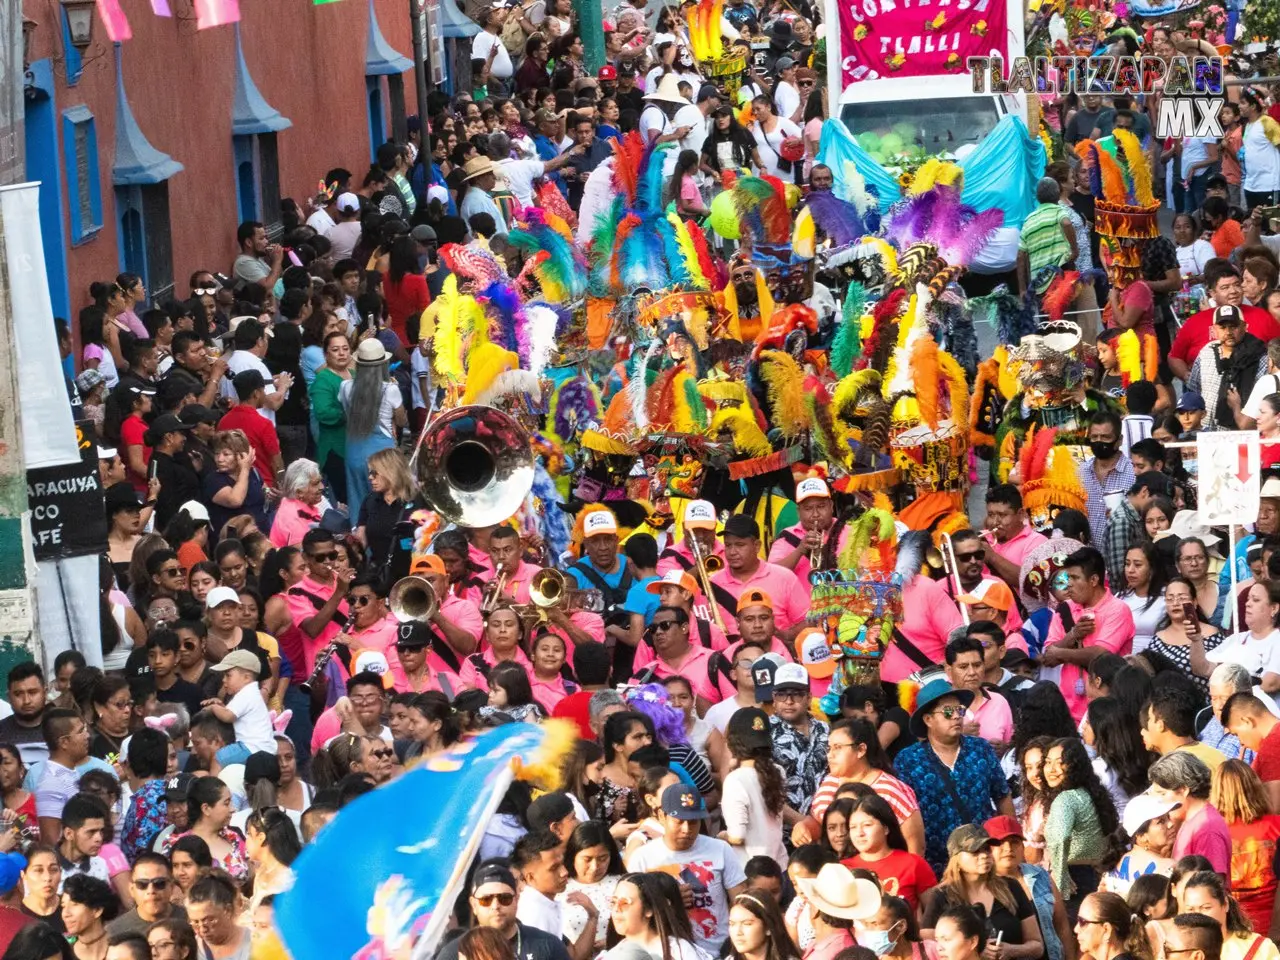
{"points": [[674, 578], [990, 593], [428, 563], [754, 598]]}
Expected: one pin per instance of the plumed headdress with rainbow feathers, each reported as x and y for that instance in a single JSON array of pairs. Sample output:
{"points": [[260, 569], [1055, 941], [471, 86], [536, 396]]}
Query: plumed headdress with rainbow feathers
{"points": [[1124, 206], [634, 245], [559, 264]]}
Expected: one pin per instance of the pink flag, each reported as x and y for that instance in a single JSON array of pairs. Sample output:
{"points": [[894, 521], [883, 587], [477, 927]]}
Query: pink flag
{"points": [[215, 13], [114, 20]]}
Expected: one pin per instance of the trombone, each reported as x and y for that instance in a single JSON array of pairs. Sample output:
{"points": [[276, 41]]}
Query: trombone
{"points": [[549, 589], [705, 565], [946, 560], [493, 592]]}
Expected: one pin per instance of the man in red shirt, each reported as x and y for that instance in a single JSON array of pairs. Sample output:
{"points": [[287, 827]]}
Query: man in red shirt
{"points": [[1258, 729], [1222, 282], [251, 388]]}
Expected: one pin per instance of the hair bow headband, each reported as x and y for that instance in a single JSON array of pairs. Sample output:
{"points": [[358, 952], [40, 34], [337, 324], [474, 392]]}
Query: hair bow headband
{"points": [[162, 722]]}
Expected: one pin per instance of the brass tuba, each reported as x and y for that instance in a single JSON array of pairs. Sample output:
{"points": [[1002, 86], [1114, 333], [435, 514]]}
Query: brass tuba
{"points": [[413, 599], [474, 465], [548, 588]]}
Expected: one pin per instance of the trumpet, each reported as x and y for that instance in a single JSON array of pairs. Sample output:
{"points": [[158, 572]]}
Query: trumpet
{"points": [[816, 554], [705, 565], [493, 592], [413, 599]]}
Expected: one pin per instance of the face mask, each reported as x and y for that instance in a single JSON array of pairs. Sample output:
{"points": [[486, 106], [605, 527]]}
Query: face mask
{"points": [[877, 941], [1103, 451]]}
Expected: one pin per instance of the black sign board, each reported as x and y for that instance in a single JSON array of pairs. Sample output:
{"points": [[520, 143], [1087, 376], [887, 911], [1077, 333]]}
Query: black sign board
{"points": [[67, 518]]}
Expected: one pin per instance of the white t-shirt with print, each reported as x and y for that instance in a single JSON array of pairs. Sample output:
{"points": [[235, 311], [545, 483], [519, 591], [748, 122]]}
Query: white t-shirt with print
{"points": [[253, 722], [709, 868]]}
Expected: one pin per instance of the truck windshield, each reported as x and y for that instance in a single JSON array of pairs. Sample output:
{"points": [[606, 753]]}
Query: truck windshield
{"points": [[920, 127]]}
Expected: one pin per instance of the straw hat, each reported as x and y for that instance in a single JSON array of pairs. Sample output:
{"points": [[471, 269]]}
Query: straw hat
{"points": [[371, 353], [668, 92], [477, 167], [836, 892]]}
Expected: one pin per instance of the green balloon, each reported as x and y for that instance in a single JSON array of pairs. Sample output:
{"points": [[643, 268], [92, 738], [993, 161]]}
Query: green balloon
{"points": [[869, 141], [724, 216], [891, 144]]}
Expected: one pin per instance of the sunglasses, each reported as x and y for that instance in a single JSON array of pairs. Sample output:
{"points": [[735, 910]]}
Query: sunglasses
{"points": [[506, 899], [408, 648], [661, 626], [325, 557], [363, 600], [171, 572], [382, 754], [159, 883], [966, 557], [949, 713], [203, 291]]}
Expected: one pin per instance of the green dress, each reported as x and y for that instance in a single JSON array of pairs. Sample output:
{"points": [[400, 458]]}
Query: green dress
{"points": [[330, 417]]}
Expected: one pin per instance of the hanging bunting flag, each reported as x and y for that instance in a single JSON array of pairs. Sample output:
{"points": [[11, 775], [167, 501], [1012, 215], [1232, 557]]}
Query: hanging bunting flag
{"points": [[214, 13], [114, 20]]}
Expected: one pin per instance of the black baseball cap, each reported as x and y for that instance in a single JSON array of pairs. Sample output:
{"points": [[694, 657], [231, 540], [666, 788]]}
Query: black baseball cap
{"points": [[684, 802], [740, 525], [194, 414], [1228, 316], [492, 872], [413, 635]]}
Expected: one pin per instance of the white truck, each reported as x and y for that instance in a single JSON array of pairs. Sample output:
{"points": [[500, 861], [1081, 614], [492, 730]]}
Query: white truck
{"points": [[896, 117]]}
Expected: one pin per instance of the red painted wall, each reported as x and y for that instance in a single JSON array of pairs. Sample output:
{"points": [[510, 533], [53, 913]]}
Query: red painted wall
{"points": [[307, 62]]}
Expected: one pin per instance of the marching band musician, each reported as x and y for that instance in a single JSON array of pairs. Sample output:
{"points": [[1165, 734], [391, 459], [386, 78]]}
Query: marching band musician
{"points": [[699, 523], [757, 624], [1012, 537], [371, 626], [317, 603], [678, 589], [675, 654], [505, 551], [603, 568], [478, 549], [971, 553], [452, 633], [465, 575], [744, 570], [796, 545]]}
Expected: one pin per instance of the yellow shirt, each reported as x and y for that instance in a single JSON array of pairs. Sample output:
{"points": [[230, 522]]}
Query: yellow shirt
{"points": [[1211, 758], [1235, 948]]}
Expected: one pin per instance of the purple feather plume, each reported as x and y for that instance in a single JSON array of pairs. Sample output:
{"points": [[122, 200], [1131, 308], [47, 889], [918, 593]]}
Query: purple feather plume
{"points": [[504, 303], [575, 404], [837, 218]]}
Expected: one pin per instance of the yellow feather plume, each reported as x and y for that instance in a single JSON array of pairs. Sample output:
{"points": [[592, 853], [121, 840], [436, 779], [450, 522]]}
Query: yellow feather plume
{"points": [[485, 364], [545, 768], [748, 438], [958, 386], [688, 256], [765, 299], [1139, 168], [723, 391], [850, 387], [1128, 347], [448, 336], [681, 414], [729, 304], [785, 382]]}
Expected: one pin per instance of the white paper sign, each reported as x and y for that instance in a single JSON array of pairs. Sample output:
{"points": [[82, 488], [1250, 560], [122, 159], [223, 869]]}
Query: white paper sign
{"points": [[1229, 476]]}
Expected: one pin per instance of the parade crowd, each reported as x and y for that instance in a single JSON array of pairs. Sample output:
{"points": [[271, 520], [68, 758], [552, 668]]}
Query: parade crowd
{"points": [[1073, 745]]}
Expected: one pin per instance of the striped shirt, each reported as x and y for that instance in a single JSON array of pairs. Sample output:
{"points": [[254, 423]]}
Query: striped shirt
{"points": [[900, 797], [1043, 239]]}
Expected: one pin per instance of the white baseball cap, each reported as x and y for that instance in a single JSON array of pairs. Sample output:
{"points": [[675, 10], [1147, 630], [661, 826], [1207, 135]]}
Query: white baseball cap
{"points": [[700, 515], [791, 674], [1144, 808], [812, 487], [348, 203], [220, 595], [195, 510], [599, 521]]}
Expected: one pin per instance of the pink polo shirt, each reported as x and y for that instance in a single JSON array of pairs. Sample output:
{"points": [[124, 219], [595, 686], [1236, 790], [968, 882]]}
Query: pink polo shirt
{"points": [[380, 636], [994, 718], [293, 519], [481, 561], [830, 947], [302, 608], [464, 615], [1016, 548], [1113, 632], [517, 586], [472, 678], [693, 668], [549, 692], [789, 594], [644, 652], [781, 548], [928, 617]]}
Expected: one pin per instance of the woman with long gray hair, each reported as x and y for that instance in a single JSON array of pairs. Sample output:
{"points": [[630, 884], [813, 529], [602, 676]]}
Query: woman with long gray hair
{"points": [[301, 506], [375, 415]]}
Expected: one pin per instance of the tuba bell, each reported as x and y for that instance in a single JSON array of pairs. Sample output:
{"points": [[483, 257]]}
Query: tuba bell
{"points": [[474, 465], [413, 599]]}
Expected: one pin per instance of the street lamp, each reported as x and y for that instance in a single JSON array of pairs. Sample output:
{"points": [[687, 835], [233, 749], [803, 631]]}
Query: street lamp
{"points": [[79, 22]]}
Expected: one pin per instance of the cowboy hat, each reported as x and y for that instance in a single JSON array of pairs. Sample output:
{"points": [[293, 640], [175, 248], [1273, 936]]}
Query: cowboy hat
{"points": [[668, 91], [929, 694], [477, 167], [836, 892], [1186, 523]]}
